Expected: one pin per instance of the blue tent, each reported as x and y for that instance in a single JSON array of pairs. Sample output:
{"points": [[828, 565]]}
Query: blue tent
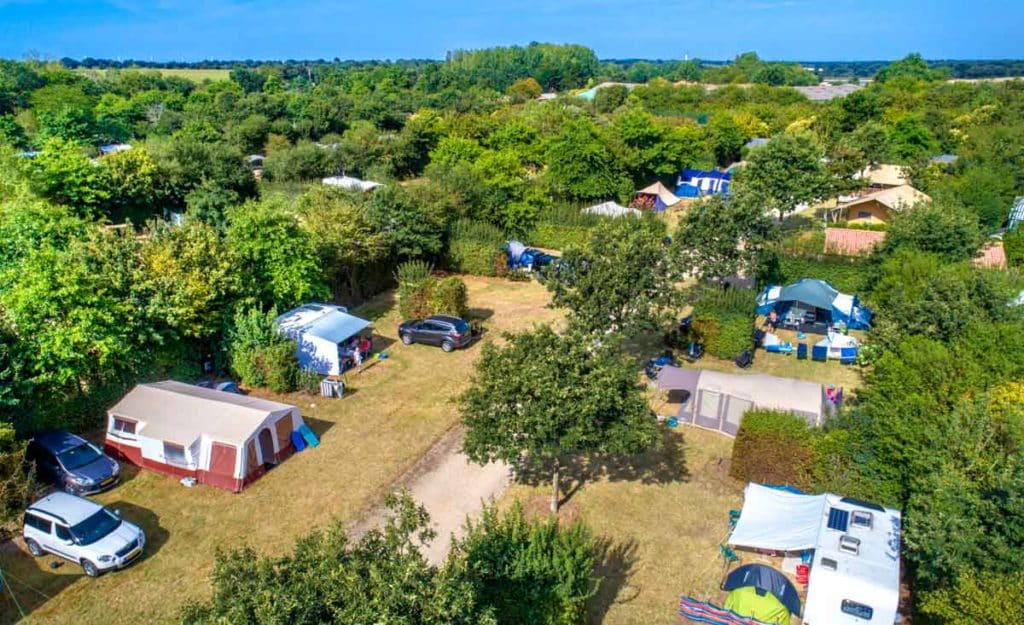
{"points": [[810, 293], [765, 579], [706, 182]]}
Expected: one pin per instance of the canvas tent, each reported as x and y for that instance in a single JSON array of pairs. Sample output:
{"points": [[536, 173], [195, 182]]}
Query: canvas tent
{"points": [[219, 438], [321, 333], [656, 196], [348, 182], [813, 301], [855, 565], [761, 592], [610, 209], [717, 401], [699, 182]]}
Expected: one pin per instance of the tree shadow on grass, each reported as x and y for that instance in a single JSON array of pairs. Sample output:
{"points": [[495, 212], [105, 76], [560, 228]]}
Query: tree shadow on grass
{"points": [[613, 569], [662, 466]]}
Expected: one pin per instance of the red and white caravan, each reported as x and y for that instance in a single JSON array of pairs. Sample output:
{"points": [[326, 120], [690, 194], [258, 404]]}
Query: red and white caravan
{"points": [[219, 438]]}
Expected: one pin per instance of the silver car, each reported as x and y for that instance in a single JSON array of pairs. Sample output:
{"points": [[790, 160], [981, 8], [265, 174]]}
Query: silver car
{"points": [[82, 531]]}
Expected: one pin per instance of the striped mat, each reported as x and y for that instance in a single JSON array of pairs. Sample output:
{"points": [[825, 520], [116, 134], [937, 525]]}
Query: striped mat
{"points": [[703, 612]]}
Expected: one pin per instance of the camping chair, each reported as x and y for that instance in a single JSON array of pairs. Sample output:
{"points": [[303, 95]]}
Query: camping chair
{"points": [[734, 517], [728, 555], [801, 351], [745, 360]]}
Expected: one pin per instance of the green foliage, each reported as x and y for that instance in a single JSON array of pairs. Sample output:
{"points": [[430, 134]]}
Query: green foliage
{"points": [[413, 272], [847, 274], [544, 396], [475, 258], [1013, 246], [277, 260], [420, 294], [415, 230], [976, 598], [723, 320], [622, 282], [259, 354], [17, 481], [581, 167], [773, 447], [528, 571], [943, 228], [719, 238], [63, 174], [558, 237], [449, 297], [912, 66], [785, 172]]}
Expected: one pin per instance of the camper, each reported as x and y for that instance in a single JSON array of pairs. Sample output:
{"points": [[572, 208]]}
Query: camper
{"points": [[853, 548], [218, 438], [326, 337]]}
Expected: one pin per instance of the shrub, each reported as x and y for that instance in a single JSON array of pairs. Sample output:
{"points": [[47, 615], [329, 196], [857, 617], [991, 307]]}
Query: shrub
{"points": [[773, 447], [279, 367], [414, 286], [308, 380], [448, 297], [559, 237], [474, 258], [258, 354], [17, 485], [723, 336], [1013, 245], [847, 274]]}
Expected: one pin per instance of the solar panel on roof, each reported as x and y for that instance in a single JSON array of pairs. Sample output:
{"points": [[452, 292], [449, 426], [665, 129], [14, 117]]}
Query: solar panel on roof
{"points": [[838, 519]]}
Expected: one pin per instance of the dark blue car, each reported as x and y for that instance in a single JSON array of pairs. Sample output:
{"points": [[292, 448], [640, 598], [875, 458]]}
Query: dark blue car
{"points": [[72, 463]]}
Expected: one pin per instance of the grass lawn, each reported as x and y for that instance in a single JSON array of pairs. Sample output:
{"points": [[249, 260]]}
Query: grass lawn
{"points": [[659, 522], [195, 75], [392, 413]]}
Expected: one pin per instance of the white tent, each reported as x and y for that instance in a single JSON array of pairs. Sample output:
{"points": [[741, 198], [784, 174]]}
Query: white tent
{"points": [[354, 184], [610, 209], [220, 438], [855, 568], [320, 332]]}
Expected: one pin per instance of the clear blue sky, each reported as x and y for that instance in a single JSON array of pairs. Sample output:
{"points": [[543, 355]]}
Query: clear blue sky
{"points": [[165, 30]]}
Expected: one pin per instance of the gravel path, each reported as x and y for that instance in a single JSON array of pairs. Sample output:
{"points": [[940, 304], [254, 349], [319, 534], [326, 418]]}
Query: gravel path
{"points": [[451, 489]]}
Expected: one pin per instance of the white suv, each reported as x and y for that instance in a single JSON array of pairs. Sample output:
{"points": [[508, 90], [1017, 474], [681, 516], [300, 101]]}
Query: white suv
{"points": [[81, 531]]}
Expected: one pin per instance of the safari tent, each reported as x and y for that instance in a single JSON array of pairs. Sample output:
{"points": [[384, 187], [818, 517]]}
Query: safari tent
{"points": [[810, 302], [655, 197], [610, 209], [854, 550], [717, 401], [219, 438]]}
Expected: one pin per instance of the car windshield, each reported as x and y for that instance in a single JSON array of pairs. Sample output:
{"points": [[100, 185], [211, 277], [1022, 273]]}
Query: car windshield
{"points": [[78, 456], [95, 527]]}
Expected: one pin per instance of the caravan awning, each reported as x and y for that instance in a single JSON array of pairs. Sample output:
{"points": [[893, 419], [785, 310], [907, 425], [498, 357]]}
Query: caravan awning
{"points": [[778, 520]]}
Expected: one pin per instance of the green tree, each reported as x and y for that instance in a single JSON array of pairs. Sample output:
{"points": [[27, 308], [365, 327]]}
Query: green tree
{"points": [[277, 261], [528, 571], [990, 598], [580, 166], [623, 282], [725, 138], [912, 66], [940, 227], [258, 353], [719, 238], [135, 188], [414, 230], [524, 89], [784, 173], [63, 174], [545, 396]]}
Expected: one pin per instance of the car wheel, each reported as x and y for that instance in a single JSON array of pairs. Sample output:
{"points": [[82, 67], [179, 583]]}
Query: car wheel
{"points": [[447, 346], [90, 569], [33, 547], [407, 339]]}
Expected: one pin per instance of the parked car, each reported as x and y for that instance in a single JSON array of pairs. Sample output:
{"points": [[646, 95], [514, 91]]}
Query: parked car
{"points": [[448, 332], [82, 531], [72, 463]]}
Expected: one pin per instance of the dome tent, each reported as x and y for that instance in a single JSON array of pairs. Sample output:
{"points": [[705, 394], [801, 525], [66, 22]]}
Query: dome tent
{"points": [[761, 592]]}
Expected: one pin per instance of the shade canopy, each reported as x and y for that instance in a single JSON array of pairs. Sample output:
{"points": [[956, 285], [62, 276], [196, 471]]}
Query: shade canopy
{"points": [[777, 520], [766, 579]]}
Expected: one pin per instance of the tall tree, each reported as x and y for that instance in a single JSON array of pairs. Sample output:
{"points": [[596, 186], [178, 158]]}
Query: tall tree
{"points": [[786, 172], [624, 281], [545, 396], [719, 238]]}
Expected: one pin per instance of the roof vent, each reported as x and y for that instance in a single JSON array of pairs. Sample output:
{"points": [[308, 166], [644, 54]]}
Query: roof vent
{"points": [[829, 563], [861, 519]]}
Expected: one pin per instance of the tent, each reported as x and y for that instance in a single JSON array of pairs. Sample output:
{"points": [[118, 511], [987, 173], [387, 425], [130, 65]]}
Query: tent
{"points": [[321, 333], [699, 182], [718, 400], [759, 604], [610, 209], [764, 579], [656, 196], [813, 302], [219, 438], [855, 565], [353, 184], [703, 612]]}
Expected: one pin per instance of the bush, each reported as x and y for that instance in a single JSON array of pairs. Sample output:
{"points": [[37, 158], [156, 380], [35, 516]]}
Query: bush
{"points": [[279, 367], [448, 297], [414, 286], [1013, 245], [475, 258], [847, 274], [773, 447], [17, 485], [258, 354], [723, 336], [308, 380], [559, 237]]}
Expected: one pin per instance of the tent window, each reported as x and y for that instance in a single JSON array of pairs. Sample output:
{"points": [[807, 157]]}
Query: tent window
{"points": [[124, 426], [849, 544], [709, 404], [861, 519], [174, 454], [858, 610]]}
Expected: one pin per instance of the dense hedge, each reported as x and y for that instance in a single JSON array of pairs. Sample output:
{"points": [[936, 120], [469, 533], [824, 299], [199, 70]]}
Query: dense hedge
{"points": [[849, 275], [449, 297], [773, 448], [723, 336], [559, 237], [476, 258], [1013, 245]]}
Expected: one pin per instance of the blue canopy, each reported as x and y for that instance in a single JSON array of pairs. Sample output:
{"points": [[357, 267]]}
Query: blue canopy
{"points": [[765, 579], [337, 327], [818, 294]]}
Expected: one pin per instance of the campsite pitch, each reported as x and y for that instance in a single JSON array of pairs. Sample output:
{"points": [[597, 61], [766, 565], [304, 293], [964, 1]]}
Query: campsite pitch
{"points": [[391, 415]]}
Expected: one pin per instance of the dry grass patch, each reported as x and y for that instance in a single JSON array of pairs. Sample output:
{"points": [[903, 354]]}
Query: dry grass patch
{"points": [[392, 414]]}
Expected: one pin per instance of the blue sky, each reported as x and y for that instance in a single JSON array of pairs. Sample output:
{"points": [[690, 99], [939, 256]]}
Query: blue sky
{"points": [[165, 30]]}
